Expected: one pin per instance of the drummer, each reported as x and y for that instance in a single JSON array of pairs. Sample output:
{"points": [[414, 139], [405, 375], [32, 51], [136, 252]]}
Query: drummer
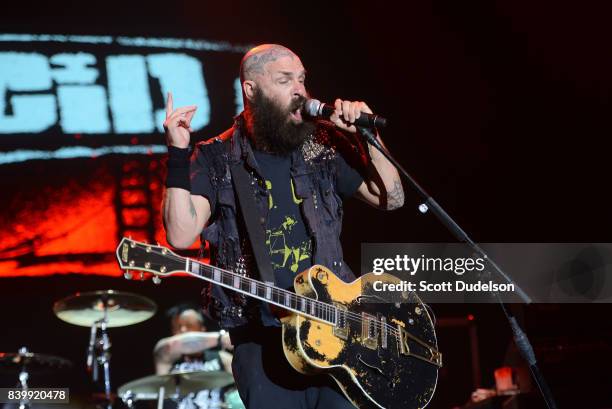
{"points": [[192, 349]]}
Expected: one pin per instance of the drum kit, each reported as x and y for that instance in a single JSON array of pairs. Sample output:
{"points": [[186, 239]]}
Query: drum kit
{"points": [[101, 310]]}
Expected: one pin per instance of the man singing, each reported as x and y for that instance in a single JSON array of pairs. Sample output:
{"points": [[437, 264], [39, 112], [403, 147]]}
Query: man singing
{"points": [[300, 174]]}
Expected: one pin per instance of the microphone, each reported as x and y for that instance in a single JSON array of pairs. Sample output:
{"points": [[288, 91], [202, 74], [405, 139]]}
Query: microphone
{"points": [[318, 109]]}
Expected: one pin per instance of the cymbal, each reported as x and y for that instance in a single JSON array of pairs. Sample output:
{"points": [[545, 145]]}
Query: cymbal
{"points": [[181, 383], [121, 308], [187, 343], [33, 362]]}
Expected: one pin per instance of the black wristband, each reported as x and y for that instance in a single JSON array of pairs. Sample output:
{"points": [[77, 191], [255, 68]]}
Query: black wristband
{"points": [[178, 157], [178, 168]]}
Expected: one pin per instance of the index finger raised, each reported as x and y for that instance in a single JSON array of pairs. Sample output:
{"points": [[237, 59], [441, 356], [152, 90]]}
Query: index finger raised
{"points": [[169, 105]]}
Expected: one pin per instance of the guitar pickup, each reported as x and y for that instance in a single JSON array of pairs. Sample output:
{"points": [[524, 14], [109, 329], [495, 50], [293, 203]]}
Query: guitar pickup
{"points": [[341, 328], [369, 332]]}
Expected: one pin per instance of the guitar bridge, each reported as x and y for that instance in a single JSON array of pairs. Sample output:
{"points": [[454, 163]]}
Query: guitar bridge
{"points": [[383, 332]]}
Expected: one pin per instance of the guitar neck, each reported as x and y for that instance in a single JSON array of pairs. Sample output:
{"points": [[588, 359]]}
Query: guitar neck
{"points": [[265, 292]]}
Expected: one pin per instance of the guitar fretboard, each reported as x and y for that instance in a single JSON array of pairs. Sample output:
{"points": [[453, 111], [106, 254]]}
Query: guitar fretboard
{"points": [[267, 292]]}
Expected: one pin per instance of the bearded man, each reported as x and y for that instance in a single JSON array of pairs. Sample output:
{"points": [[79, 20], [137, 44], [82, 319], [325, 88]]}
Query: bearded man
{"points": [[300, 175]]}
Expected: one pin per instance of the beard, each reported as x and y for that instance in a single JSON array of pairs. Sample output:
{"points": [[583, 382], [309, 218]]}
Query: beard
{"points": [[272, 128]]}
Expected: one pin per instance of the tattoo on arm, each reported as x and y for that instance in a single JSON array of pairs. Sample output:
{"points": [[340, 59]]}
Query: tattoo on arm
{"points": [[395, 196]]}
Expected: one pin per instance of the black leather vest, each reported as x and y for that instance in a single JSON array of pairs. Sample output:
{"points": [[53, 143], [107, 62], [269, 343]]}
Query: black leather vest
{"points": [[313, 171]]}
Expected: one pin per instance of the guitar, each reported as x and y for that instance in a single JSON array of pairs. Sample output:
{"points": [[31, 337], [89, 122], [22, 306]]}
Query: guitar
{"points": [[381, 350]]}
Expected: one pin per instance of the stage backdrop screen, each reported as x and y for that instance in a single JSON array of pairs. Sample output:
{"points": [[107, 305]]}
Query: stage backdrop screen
{"points": [[82, 149]]}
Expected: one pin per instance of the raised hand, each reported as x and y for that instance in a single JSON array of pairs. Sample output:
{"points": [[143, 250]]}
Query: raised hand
{"points": [[178, 124]]}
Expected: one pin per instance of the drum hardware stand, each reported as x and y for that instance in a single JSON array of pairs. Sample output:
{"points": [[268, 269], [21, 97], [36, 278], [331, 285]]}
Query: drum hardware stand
{"points": [[99, 311], [24, 402], [520, 338], [98, 353], [160, 397], [128, 399]]}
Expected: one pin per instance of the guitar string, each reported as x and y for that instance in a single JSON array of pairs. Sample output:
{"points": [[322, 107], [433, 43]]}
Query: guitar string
{"points": [[328, 309], [325, 307]]}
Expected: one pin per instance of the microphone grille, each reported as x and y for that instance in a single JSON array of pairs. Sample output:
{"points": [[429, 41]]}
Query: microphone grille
{"points": [[311, 107]]}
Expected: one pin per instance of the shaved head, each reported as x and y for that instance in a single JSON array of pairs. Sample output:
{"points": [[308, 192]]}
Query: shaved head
{"points": [[256, 58]]}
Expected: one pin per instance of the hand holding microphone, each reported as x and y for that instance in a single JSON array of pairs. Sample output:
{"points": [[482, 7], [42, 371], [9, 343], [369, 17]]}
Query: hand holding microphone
{"points": [[346, 115]]}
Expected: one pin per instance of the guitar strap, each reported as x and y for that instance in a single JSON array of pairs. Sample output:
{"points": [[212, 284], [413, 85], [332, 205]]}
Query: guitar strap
{"points": [[252, 220]]}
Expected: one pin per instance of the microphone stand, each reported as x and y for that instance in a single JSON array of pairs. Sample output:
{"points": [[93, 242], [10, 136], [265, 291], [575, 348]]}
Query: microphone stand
{"points": [[429, 204]]}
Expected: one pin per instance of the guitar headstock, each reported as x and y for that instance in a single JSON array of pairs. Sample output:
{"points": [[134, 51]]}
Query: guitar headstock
{"points": [[158, 260]]}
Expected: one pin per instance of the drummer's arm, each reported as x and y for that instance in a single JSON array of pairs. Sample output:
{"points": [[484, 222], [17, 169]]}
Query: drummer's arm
{"points": [[164, 358], [162, 368], [226, 360]]}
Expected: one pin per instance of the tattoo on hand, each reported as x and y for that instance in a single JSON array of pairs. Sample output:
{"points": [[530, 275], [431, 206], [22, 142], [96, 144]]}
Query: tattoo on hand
{"points": [[395, 196]]}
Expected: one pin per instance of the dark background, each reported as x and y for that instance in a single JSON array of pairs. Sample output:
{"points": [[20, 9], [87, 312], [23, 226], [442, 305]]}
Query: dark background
{"points": [[500, 109]]}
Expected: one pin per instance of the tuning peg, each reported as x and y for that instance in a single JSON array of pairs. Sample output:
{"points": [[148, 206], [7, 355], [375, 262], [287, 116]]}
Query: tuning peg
{"points": [[127, 274], [156, 280]]}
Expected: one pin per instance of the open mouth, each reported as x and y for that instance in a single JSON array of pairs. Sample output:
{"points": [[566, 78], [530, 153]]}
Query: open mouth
{"points": [[296, 114]]}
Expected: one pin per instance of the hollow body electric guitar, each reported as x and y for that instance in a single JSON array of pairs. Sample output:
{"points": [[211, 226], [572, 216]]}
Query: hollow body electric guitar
{"points": [[380, 349]]}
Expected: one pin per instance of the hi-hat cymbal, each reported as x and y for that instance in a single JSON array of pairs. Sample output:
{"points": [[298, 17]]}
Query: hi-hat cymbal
{"points": [[120, 308], [33, 362], [181, 383]]}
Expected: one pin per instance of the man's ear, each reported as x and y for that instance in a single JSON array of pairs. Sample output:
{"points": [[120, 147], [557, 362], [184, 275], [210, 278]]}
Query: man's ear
{"points": [[248, 87]]}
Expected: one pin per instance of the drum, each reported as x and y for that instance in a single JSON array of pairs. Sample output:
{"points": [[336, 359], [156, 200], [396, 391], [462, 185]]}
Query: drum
{"points": [[182, 390], [232, 399]]}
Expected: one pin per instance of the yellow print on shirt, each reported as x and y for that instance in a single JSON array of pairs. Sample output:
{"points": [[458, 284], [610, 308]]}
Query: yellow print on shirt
{"points": [[296, 200], [281, 252]]}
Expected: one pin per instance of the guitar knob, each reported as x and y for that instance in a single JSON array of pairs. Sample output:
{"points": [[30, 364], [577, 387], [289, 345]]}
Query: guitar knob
{"points": [[142, 277], [127, 275], [156, 280]]}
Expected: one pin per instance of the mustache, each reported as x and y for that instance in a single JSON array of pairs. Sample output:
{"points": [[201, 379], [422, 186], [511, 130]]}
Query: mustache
{"points": [[297, 103]]}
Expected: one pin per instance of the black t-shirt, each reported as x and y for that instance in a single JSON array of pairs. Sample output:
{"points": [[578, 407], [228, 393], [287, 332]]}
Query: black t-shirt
{"points": [[286, 234], [287, 239]]}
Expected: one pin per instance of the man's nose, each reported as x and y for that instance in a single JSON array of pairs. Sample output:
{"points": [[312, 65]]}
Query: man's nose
{"points": [[299, 89]]}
